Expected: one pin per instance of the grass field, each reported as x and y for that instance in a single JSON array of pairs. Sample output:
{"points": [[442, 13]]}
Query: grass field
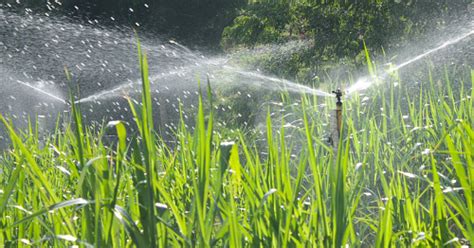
{"points": [[403, 176]]}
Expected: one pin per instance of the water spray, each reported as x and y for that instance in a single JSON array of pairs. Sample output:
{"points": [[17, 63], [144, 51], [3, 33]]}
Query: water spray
{"points": [[48, 94], [366, 82]]}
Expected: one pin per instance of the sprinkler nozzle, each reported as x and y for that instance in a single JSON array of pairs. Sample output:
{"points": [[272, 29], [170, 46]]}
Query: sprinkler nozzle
{"points": [[338, 94]]}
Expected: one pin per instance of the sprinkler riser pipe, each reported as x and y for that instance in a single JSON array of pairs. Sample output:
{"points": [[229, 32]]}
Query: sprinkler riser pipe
{"points": [[338, 94], [339, 118]]}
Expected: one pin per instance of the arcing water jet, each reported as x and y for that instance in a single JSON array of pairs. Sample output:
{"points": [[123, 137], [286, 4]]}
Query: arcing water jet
{"points": [[46, 93]]}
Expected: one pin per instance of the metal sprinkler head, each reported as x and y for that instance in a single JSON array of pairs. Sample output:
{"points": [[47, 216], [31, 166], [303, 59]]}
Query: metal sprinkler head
{"points": [[338, 94]]}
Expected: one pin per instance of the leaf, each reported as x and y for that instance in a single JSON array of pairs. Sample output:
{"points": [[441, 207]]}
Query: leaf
{"points": [[234, 163], [269, 193], [121, 133], [68, 203], [126, 220]]}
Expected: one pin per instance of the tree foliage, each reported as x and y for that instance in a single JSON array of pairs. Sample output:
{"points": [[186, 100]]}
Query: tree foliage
{"points": [[339, 28]]}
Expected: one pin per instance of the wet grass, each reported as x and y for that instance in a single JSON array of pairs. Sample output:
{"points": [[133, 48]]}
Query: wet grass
{"points": [[402, 176]]}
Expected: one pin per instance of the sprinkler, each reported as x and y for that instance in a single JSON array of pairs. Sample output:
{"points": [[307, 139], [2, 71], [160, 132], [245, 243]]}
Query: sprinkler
{"points": [[338, 94], [336, 123]]}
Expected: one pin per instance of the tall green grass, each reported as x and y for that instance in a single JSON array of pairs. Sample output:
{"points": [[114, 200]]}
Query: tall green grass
{"points": [[402, 176]]}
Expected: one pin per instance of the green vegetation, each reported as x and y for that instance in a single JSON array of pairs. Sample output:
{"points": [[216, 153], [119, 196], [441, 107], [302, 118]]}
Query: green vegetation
{"points": [[402, 176], [338, 30], [336, 26]]}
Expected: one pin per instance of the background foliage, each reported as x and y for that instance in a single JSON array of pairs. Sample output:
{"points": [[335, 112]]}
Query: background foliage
{"points": [[338, 29], [196, 22]]}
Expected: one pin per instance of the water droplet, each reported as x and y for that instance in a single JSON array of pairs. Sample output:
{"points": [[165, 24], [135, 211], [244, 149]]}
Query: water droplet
{"points": [[426, 152]]}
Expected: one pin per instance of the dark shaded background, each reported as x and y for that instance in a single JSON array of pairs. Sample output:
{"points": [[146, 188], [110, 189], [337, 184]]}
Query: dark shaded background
{"points": [[193, 22]]}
